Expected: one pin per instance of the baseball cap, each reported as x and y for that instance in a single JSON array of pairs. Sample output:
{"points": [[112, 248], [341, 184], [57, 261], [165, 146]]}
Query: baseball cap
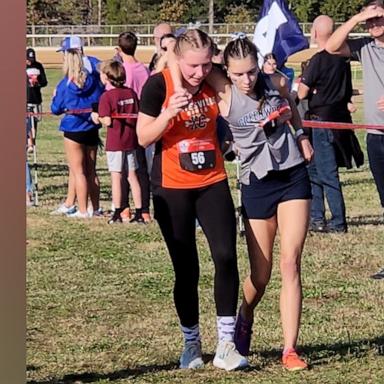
{"points": [[70, 42], [31, 54]]}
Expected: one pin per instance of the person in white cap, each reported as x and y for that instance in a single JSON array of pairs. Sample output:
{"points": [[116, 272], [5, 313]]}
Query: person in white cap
{"points": [[80, 89]]}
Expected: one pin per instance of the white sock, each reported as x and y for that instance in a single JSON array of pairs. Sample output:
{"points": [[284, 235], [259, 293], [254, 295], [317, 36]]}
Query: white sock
{"points": [[191, 334], [226, 327]]}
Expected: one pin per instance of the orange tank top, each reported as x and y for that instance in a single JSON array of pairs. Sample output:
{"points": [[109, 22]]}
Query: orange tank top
{"points": [[190, 154]]}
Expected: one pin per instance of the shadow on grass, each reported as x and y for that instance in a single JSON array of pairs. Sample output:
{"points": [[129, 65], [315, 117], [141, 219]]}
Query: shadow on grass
{"points": [[91, 377], [362, 180], [365, 220], [318, 355], [132, 373], [50, 170]]}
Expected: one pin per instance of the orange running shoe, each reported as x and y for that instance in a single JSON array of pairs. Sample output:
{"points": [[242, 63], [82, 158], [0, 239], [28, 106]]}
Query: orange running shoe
{"points": [[126, 215], [292, 361], [147, 217]]}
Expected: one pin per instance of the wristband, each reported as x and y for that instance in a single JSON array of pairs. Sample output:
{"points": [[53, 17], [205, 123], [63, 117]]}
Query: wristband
{"points": [[299, 133]]}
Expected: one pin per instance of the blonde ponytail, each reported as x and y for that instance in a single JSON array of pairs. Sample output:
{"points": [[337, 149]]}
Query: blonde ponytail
{"points": [[73, 67]]}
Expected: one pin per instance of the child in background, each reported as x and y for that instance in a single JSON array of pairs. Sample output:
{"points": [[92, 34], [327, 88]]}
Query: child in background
{"points": [[136, 75], [121, 136]]}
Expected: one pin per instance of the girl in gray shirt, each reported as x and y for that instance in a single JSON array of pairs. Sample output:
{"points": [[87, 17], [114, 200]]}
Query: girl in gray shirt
{"points": [[275, 186]]}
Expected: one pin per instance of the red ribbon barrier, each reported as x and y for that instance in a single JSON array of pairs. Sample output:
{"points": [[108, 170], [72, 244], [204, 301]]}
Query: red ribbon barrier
{"points": [[86, 110], [274, 115], [332, 125]]}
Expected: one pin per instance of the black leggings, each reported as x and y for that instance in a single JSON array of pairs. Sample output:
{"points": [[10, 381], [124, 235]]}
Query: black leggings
{"points": [[143, 176], [176, 211]]}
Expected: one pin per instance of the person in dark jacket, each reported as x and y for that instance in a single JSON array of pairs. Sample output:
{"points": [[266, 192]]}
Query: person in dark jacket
{"points": [[36, 79], [79, 89]]}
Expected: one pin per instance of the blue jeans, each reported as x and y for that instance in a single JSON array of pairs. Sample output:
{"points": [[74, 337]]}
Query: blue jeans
{"points": [[375, 149], [324, 176], [28, 182], [29, 186]]}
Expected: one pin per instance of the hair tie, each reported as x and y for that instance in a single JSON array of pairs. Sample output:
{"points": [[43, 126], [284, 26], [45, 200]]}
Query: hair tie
{"points": [[238, 36]]}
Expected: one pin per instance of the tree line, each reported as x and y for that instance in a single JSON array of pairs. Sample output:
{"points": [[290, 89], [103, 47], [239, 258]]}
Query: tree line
{"points": [[106, 12]]}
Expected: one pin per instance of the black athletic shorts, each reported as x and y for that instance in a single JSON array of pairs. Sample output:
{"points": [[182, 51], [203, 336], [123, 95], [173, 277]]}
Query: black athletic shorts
{"points": [[262, 196], [88, 138]]}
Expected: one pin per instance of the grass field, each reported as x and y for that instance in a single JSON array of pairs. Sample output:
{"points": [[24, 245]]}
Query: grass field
{"points": [[100, 304]]}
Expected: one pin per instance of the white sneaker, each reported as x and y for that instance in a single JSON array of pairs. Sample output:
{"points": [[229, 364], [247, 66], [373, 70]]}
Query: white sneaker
{"points": [[191, 356], [64, 210], [79, 215], [227, 357]]}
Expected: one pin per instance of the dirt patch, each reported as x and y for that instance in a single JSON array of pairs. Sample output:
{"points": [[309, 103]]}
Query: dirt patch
{"points": [[52, 59]]}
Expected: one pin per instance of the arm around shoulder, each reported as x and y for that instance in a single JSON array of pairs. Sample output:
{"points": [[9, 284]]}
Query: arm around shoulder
{"points": [[149, 129], [220, 83]]}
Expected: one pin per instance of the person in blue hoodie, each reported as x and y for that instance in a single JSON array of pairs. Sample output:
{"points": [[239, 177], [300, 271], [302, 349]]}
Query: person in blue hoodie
{"points": [[79, 89]]}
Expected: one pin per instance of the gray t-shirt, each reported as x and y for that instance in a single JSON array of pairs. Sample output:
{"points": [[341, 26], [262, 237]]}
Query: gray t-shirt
{"points": [[260, 151], [371, 57]]}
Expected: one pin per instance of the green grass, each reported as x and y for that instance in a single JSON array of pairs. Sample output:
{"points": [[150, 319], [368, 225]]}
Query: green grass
{"points": [[100, 297]]}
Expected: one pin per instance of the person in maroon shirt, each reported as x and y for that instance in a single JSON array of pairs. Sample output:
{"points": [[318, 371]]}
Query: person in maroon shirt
{"points": [[121, 141]]}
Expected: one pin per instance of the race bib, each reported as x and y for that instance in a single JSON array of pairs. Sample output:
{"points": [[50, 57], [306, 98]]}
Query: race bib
{"points": [[196, 155]]}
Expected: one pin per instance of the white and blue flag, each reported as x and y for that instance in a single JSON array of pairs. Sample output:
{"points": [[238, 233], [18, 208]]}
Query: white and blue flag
{"points": [[278, 31]]}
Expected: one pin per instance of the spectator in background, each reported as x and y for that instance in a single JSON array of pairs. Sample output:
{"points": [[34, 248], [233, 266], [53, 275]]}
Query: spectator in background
{"points": [[136, 76], [121, 136], [270, 64], [79, 89], [370, 52], [36, 79], [167, 42], [159, 31], [136, 72], [327, 84]]}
